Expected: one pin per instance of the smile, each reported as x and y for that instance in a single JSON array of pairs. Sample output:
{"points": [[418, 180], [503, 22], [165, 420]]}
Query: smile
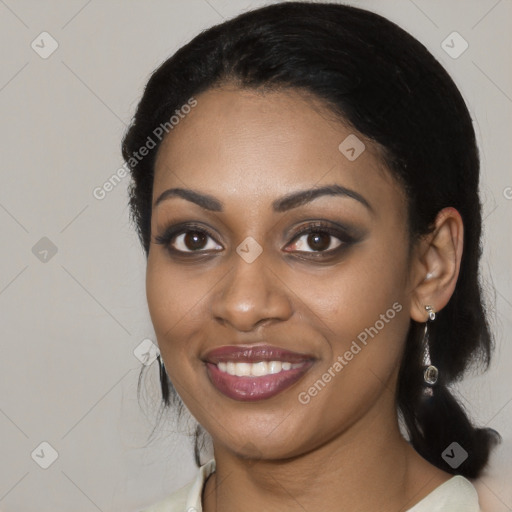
{"points": [[255, 373]]}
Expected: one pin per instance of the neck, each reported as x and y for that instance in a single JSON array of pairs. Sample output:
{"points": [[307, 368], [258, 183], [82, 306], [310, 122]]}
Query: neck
{"points": [[369, 467]]}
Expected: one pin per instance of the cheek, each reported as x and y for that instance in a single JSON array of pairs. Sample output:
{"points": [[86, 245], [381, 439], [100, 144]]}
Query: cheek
{"points": [[175, 302], [354, 293], [361, 309]]}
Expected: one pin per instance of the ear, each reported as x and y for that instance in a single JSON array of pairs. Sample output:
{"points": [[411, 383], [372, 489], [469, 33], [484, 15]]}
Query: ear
{"points": [[436, 263]]}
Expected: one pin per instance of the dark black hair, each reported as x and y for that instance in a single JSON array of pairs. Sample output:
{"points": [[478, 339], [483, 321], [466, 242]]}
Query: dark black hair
{"points": [[385, 84]]}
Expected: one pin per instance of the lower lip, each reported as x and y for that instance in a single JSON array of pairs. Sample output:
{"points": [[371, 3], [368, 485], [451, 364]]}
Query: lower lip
{"points": [[250, 389]]}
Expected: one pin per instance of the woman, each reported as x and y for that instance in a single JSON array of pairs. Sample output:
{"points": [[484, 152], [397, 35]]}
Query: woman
{"points": [[308, 204]]}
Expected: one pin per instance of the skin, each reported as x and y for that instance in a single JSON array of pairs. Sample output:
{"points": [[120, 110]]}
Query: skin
{"points": [[248, 149]]}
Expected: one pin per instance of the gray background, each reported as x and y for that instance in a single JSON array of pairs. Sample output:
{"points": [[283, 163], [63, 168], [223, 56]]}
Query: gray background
{"points": [[71, 320]]}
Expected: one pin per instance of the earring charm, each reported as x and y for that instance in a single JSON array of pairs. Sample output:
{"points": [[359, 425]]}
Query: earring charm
{"points": [[164, 380], [431, 312], [430, 372]]}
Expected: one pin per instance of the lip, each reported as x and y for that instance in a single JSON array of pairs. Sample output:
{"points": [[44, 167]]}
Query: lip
{"points": [[254, 354], [251, 388]]}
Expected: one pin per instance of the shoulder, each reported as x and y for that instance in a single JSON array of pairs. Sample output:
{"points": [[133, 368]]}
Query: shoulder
{"points": [[173, 503], [187, 497], [455, 495]]}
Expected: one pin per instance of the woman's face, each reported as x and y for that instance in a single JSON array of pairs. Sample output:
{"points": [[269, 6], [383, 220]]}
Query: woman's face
{"points": [[322, 316]]}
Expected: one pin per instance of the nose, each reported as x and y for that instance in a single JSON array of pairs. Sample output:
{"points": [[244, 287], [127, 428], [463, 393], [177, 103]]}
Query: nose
{"points": [[251, 294]]}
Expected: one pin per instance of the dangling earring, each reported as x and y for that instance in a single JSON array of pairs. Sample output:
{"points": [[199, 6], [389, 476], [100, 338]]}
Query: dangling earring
{"points": [[163, 379], [430, 372], [161, 363]]}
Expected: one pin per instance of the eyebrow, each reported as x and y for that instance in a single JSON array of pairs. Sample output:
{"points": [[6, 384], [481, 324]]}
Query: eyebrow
{"points": [[283, 204]]}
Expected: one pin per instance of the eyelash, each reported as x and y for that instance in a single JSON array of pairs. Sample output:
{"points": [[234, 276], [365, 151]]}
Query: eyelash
{"points": [[317, 227]]}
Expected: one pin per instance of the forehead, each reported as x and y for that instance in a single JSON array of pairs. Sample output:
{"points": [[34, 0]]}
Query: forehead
{"points": [[241, 144]]}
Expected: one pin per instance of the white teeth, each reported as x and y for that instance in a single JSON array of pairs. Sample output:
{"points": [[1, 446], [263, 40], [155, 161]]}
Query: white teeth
{"points": [[242, 369], [274, 366], [256, 369], [259, 369]]}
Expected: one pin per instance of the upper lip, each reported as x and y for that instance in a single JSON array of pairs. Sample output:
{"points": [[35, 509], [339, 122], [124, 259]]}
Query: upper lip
{"points": [[254, 354]]}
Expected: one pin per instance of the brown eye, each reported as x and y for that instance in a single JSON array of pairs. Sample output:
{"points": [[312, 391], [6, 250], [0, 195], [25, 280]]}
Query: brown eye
{"points": [[194, 240], [319, 241], [188, 240]]}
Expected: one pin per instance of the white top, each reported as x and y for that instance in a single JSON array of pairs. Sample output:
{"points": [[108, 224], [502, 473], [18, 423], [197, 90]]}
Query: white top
{"points": [[454, 495]]}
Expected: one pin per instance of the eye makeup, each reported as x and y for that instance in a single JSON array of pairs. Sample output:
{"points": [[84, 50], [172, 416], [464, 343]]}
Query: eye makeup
{"points": [[312, 239]]}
